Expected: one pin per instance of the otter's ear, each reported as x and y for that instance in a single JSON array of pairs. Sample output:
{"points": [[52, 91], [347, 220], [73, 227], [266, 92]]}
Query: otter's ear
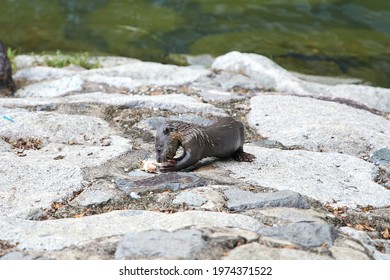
{"points": [[169, 128]]}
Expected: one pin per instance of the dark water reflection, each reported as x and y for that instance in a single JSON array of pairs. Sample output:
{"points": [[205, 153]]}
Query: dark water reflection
{"points": [[325, 37]]}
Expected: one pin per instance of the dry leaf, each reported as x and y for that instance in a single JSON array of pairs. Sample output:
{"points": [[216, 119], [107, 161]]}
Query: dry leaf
{"points": [[385, 233]]}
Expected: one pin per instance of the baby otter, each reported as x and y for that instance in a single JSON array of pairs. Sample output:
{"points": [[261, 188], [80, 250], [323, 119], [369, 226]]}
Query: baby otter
{"points": [[6, 69], [224, 138]]}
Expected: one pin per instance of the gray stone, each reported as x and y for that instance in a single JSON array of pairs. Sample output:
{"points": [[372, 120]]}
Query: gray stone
{"points": [[318, 125], [181, 244], [178, 103], [371, 244], [255, 251], [295, 215], [335, 179], [29, 183], [239, 200], [303, 234], [55, 88], [189, 198], [166, 181], [344, 253], [270, 76], [381, 156], [56, 128], [151, 73], [62, 233], [42, 73], [98, 193], [18, 256]]}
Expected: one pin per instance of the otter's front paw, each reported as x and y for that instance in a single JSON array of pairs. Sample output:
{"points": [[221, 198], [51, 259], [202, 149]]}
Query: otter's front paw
{"points": [[168, 166]]}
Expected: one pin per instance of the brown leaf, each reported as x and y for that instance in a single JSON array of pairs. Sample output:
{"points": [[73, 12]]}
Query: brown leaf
{"points": [[359, 227], [385, 233]]}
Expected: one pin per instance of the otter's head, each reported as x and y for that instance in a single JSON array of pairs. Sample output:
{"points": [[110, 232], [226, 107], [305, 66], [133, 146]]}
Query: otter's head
{"points": [[167, 142]]}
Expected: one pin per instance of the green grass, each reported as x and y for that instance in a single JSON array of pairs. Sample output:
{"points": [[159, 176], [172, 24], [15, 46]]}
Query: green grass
{"points": [[60, 60], [11, 53]]}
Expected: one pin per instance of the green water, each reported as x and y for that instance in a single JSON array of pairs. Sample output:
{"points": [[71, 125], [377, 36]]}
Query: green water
{"points": [[348, 38]]}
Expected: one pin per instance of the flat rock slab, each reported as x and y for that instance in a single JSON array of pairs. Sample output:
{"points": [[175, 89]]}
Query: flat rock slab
{"points": [[331, 178], [52, 82], [167, 181], [56, 128], [59, 234], [267, 75], [318, 125], [180, 244], [179, 103], [46, 165], [239, 200], [28, 184], [303, 234], [256, 251], [55, 88]]}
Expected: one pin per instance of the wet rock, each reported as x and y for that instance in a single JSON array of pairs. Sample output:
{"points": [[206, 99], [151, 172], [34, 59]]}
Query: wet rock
{"points": [[318, 125], [157, 244], [255, 251], [167, 181], [239, 200], [62, 233], [331, 178], [303, 234]]}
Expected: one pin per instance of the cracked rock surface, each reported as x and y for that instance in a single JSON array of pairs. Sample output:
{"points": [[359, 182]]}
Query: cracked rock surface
{"points": [[71, 186]]}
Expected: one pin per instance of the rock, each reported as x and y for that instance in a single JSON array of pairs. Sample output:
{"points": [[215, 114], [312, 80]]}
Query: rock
{"points": [[318, 125], [56, 128], [43, 73], [371, 244], [331, 178], [381, 156], [150, 73], [157, 244], [167, 181], [295, 215], [189, 198], [98, 193], [55, 88], [270, 76], [255, 251], [30, 183], [342, 253], [62, 233], [239, 200], [303, 234], [178, 103]]}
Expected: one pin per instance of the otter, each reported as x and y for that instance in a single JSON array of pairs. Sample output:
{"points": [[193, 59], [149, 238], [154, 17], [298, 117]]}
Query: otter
{"points": [[6, 69], [223, 139]]}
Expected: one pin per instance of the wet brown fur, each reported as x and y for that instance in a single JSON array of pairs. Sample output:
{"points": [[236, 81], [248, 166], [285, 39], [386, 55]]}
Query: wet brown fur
{"points": [[224, 138]]}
